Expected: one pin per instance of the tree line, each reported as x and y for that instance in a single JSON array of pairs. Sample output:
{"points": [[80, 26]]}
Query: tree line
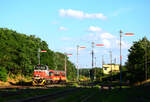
{"points": [[136, 68], [18, 55]]}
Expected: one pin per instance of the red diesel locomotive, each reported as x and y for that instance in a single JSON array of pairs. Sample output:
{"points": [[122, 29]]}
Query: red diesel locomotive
{"points": [[43, 76]]}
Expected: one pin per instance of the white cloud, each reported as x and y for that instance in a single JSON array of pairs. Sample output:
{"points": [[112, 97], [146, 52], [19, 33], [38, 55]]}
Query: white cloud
{"points": [[62, 28], [99, 36], [109, 40], [94, 29], [106, 43], [80, 14], [106, 36]]}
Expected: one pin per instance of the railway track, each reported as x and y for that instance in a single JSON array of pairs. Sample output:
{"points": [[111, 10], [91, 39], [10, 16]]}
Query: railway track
{"points": [[60, 92], [55, 92], [50, 97], [83, 96]]}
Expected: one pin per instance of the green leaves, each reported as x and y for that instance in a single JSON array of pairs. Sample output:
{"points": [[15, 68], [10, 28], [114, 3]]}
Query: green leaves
{"points": [[18, 54], [3, 74], [137, 58]]}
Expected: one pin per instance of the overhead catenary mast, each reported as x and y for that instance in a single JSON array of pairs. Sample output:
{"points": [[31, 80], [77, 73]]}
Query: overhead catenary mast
{"points": [[38, 55], [77, 63], [65, 65], [39, 50], [120, 60], [92, 54], [93, 76], [111, 62]]}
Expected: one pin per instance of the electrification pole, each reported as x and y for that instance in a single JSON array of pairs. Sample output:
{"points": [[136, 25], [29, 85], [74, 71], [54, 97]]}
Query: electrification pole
{"points": [[102, 63], [65, 65], [93, 77], [95, 61], [39, 50], [120, 61], [95, 68], [111, 63], [115, 61], [102, 60], [77, 63]]}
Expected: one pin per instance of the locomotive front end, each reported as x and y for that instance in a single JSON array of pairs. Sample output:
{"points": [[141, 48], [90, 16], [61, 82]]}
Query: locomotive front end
{"points": [[40, 75]]}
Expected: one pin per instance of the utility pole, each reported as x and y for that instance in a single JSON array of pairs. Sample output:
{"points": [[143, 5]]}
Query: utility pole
{"points": [[114, 60], [77, 63], [93, 77], [65, 65], [120, 60], [95, 68], [102, 63], [95, 61], [39, 50], [111, 62], [121, 55], [92, 54], [103, 60]]}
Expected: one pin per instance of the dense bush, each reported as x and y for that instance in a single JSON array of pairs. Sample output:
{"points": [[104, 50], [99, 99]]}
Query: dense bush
{"points": [[3, 74]]}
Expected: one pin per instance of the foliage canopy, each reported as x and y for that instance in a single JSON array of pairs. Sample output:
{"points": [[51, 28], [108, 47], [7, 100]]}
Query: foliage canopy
{"points": [[138, 63], [18, 54]]}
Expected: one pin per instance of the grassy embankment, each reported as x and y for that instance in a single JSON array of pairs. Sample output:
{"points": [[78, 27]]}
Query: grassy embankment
{"points": [[16, 80]]}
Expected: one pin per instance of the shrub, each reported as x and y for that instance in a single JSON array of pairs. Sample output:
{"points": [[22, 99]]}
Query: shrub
{"points": [[3, 74]]}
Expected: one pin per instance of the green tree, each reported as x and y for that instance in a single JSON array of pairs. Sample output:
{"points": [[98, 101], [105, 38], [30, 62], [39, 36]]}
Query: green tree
{"points": [[136, 64], [18, 54]]}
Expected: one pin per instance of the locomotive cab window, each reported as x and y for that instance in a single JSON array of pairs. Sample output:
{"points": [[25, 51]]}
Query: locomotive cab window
{"points": [[39, 67]]}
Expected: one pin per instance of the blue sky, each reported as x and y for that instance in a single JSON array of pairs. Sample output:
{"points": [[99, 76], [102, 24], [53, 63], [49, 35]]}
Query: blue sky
{"points": [[64, 24]]}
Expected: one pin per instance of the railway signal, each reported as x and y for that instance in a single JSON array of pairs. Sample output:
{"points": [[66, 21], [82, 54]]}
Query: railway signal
{"points": [[69, 54], [78, 47], [98, 45], [66, 63], [39, 50], [128, 34], [82, 47], [43, 51]]}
